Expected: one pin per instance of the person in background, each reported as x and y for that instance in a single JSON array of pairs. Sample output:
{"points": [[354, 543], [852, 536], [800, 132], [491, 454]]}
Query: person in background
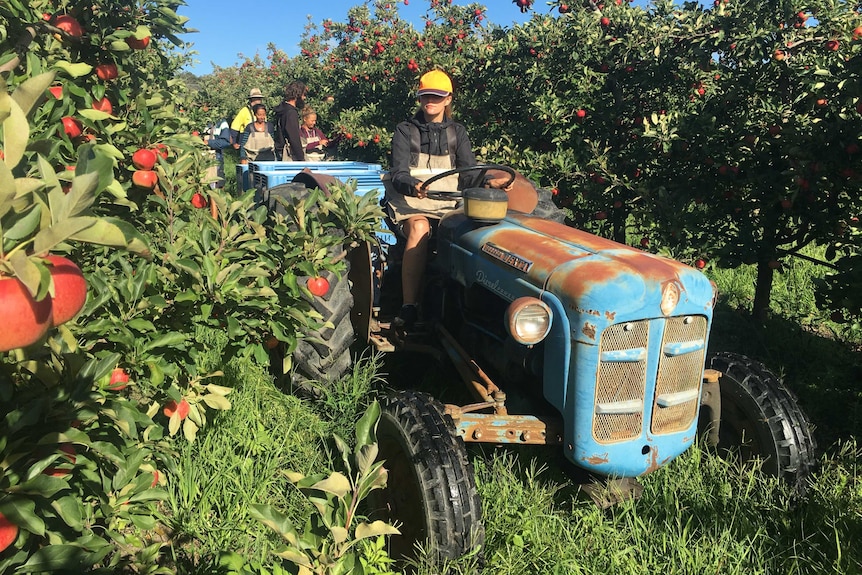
{"points": [[288, 144], [244, 117], [427, 144], [218, 138], [314, 141], [256, 142]]}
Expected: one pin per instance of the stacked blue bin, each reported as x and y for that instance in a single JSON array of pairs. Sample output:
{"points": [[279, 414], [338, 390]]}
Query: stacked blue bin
{"points": [[265, 175]]}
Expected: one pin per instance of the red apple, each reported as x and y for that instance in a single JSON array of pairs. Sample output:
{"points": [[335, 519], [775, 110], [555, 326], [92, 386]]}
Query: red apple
{"points": [[605, 21], [318, 286], [700, 263], [144, 159], [136, 44], [199, 200], [581, 113], [72, 127], [70, 289], [8, 533], [119, 379], [780, 55], [181, 408], [104, 105], [56, 91], [564, 8], [832, 45], [106, 71], [161, 149], [145, 179], [857, 32], [25, 320], [68, 25]]}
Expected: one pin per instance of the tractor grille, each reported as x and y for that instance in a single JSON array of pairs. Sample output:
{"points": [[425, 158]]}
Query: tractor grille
{"points": [[680, 373], [619, 399]]}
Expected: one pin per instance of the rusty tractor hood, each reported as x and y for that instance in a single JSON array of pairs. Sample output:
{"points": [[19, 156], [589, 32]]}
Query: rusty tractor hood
{"points": [[590, 275]]}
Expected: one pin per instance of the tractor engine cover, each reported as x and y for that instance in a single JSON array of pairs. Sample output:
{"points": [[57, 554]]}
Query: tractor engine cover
{"points": [[623, 361]]}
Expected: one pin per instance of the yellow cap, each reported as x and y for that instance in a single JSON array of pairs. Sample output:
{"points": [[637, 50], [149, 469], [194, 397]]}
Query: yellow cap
{"points": [[435, 82]]}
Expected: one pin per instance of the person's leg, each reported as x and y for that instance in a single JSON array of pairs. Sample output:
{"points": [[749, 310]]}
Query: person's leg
{"points": [[417, 229]]}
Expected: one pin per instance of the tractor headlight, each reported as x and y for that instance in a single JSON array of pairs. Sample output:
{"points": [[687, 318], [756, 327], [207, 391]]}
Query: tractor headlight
{"points": [[528, 320], [669, 297]]}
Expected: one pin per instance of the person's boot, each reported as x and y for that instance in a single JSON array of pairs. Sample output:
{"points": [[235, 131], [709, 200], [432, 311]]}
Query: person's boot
{"points": [[407, 317]]}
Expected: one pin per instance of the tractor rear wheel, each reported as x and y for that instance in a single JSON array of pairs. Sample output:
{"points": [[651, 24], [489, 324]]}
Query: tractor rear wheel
{"points": [[323, 355], [431, 491], [761, 419]]}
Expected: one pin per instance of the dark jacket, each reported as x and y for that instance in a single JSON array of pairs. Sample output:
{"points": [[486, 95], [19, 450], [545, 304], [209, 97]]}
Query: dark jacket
{"points": [[287, 130], [433, 140]]}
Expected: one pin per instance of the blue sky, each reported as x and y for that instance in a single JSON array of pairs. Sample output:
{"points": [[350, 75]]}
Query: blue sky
{"points": [[227, 28]]}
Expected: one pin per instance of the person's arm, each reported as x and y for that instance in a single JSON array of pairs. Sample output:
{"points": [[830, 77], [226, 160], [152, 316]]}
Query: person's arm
{"points": [[243, 138], [324, 141], [291, 129], [399, 173], [237, 126], [464, 157]]}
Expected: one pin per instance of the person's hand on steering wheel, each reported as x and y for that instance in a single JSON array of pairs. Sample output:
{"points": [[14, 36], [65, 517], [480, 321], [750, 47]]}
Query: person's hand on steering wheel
{"points": [[419, 191], [502, 183]]}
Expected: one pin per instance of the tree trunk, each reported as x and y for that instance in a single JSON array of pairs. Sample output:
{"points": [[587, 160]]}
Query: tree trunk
{"points": [[762, 291]]}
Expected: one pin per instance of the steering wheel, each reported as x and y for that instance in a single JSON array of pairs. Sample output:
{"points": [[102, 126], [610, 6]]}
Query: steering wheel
{"points": [[456, 195]]}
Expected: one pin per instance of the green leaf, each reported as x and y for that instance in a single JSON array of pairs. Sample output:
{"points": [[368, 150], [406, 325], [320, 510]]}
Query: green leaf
{"points": [[174, 423], [216, 401], [29, 274], [365, 457], [22, 512], [114, 232], [171, 339], [273, 519], [95, 115], [218, 389], [74, 70], [31, 91], [339, 534], [42, 485], [119, 46], [375, 529], [336, 484], [24, 226], [190, 430], [69, 510], [366, 428], [55, 557], [7, 189], [16, 133], [60, 232]]}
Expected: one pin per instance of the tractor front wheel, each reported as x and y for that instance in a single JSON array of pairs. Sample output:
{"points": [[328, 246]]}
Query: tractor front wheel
{"points": [[431, 493], [761, 419]]}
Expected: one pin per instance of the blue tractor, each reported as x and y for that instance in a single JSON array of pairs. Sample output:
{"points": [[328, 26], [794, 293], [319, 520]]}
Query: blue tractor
{"points": [[563, 338]]}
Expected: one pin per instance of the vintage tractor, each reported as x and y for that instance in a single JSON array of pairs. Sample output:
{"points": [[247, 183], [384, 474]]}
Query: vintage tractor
{"points": [[564, 338]]}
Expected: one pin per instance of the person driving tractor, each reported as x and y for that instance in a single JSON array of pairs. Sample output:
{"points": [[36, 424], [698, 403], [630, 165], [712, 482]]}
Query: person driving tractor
{"points": [[429, 143]]}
